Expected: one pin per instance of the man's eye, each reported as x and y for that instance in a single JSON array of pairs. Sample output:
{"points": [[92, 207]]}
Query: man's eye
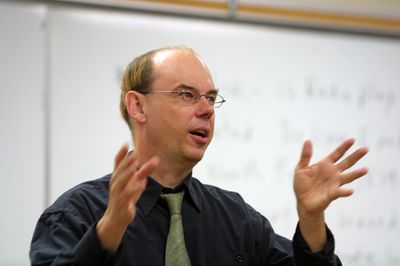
{"points": [[187, 94], [211, 98]]}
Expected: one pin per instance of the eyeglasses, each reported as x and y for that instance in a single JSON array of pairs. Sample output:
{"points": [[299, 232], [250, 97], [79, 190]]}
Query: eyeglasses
{"points": [[193, 96]]}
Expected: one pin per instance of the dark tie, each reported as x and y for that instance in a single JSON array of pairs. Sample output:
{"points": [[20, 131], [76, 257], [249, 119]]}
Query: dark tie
{"points": [[175, 251]]}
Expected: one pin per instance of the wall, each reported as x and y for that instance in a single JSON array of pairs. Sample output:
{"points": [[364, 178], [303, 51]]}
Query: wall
{"points": [[22, 133]]}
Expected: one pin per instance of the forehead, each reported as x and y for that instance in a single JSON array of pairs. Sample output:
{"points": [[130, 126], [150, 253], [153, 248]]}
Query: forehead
{"points": [[177, 66]]}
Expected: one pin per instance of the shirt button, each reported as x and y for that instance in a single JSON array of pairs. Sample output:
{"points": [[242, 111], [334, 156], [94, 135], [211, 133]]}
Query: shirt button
{"points": [[239, 259]]}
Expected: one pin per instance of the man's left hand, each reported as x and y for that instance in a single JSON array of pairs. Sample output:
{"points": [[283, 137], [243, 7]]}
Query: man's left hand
{"points": [[317, 185]]}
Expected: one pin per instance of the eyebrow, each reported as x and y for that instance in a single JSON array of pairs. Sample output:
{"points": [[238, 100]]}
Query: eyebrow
{"points": [[185, 86]]}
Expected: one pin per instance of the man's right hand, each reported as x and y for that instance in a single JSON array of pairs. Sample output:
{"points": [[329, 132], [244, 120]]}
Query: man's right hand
{"points": [[127, 184]]}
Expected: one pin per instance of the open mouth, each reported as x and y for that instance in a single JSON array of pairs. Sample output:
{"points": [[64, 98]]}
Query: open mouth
{"points": [[200, 133]]}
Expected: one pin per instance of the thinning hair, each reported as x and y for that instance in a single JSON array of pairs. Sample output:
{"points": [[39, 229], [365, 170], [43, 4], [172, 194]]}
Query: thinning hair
{"points": [[138, 76]]}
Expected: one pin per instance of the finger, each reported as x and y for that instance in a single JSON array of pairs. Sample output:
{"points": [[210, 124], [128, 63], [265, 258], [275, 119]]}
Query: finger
{"points": [[137, 190], [137, 185], [125, 171], [351, 176], [147, 168], [121, 155], [119, 164], [352, 159], [133, 175], [306, 154], [341, 150], [344, 192]]}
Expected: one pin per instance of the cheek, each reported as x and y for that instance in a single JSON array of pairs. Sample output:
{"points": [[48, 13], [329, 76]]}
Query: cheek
{"points": [[212, 122], [172, 121]]}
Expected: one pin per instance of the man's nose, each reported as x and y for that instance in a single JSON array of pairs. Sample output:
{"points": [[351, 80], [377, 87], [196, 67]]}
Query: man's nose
{"points": [[204, 107]]}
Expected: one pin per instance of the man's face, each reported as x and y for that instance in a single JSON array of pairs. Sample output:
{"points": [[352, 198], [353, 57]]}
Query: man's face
{"points": [[179, 131]]}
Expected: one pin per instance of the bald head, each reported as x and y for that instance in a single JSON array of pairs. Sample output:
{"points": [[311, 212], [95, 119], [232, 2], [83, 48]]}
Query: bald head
{"points": [[140, 73]]}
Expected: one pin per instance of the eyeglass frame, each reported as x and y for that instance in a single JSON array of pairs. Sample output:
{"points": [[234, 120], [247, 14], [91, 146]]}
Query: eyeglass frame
{"points": [[188, 89]]}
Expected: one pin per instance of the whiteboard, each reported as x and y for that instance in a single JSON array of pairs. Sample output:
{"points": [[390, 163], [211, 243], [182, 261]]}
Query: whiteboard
{"points": [[282, 86]]}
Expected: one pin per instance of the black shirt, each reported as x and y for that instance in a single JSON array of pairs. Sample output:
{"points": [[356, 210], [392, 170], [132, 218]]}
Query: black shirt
{"points": [[219, 228]]}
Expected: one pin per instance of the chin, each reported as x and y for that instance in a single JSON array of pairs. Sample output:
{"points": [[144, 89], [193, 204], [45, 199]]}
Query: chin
{"points": [[195, 157]]}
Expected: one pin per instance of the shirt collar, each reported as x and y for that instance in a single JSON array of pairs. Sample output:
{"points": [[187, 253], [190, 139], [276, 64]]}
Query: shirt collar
{"points": [[152, 192]]}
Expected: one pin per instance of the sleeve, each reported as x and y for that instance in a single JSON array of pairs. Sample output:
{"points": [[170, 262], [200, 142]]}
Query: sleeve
{"points": [[280, 251], [304, 256], [63, 239]]}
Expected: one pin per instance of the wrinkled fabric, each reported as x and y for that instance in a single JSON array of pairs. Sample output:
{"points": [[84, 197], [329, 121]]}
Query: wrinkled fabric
{"points": [[219, 228]]}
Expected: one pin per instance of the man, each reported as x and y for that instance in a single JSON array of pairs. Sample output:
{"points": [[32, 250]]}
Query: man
{"points": [[168, 99]]}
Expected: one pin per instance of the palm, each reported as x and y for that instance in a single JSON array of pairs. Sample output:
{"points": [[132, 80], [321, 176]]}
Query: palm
{"points": [[317, 185]]}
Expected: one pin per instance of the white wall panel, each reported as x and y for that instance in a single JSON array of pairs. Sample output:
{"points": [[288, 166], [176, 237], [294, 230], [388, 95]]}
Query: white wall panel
{"points": [[22, 118]]}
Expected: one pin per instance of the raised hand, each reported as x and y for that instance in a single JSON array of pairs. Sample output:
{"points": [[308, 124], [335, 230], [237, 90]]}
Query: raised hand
{"points": [[317, 185], [126, 186]]}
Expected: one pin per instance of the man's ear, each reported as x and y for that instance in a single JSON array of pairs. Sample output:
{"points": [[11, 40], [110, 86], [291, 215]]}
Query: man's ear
{"points": [[134, 106]]}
